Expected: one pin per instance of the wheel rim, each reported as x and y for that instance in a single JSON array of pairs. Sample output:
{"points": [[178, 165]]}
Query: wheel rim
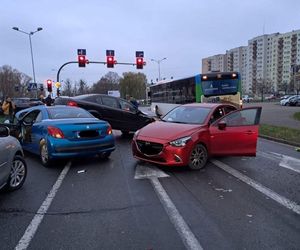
{"points": [[17, 173], [44, 153], [198, 157]]}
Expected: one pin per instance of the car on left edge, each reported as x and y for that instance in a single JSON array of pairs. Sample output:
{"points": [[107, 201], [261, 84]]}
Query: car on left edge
{"points": [[62, 132], [13, 168]]}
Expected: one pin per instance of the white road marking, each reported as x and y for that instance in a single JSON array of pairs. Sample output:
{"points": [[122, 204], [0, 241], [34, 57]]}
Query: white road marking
{"points": [[187, 236], [147, 171], [152, 173], [266, 191], [285, 161], [37, 219]]}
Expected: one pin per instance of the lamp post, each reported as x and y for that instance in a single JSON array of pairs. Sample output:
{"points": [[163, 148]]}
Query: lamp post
{"points": [[158, 62], [29, 35]]}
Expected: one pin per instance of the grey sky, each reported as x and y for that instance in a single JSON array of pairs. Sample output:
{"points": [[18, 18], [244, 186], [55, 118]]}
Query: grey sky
{"points": [[183, 31]]}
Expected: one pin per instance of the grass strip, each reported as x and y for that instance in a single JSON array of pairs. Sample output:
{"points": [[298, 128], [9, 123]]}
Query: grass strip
{"points": [[297, 116], [282, 133]]}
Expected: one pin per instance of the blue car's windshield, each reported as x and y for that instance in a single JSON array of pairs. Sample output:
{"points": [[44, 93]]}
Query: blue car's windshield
{"points": [[68, 112]]}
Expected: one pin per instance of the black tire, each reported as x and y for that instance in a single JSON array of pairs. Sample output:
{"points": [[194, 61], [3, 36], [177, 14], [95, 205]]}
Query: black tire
{"points": [[17, 174], [198, 157], [104, 155], [44, 155]]}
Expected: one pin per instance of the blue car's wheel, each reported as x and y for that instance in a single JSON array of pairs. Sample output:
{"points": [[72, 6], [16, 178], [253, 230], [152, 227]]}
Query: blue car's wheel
{"points": [[44, 154]]}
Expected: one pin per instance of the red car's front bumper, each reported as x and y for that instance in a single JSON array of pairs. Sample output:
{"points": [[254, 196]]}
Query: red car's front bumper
{"points": [[168, 156]]}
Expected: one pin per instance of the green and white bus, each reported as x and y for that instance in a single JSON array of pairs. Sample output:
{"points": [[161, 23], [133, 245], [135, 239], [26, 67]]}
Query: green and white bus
{"points": [[212, 87]]}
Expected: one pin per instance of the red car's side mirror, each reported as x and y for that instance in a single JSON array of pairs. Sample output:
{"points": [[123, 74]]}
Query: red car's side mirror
{"points": [[222, 125]]}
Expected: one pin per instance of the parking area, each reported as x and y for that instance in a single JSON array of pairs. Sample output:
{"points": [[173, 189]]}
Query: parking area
{"points": [[275, 114]]}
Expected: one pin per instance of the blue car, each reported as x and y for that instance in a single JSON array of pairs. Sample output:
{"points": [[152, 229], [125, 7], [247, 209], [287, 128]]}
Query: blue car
{"points": [[60, 132]]}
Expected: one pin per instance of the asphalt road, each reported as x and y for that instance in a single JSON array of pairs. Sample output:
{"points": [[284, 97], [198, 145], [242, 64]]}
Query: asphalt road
{"points": [[275, 114], [234, 203]]}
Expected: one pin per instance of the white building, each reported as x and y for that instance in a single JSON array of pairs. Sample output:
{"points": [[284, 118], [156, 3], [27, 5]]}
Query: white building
{"points": [[214, 63], [237, 61], [267, 59]]}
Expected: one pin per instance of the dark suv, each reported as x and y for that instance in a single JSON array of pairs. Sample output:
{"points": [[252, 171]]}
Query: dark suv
{"points": [[121, 114]]}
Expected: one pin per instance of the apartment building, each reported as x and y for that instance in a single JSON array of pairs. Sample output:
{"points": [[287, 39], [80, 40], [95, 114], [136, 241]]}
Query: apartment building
{"points": [[237, 61], [214, 63], [265, 64]]}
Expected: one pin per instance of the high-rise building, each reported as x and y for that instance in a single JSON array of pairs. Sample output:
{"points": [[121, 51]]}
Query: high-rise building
{"points": [[265, 64], [214, 63], [237, 61]]}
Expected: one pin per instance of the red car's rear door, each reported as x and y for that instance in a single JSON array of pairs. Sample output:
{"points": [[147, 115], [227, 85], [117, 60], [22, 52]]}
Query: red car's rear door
{"points": [[236, 133]]}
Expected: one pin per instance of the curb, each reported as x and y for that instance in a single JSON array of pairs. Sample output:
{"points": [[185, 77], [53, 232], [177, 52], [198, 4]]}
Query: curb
{"points": [[280, 140]]}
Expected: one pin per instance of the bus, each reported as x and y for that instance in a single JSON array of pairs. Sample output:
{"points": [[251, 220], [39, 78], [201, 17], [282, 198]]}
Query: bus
{"points": [[222, 87]]}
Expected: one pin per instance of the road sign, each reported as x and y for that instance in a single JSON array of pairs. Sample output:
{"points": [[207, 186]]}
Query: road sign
{"points": [[81, 52], [32, 86], [110, 52], [139, 54]]}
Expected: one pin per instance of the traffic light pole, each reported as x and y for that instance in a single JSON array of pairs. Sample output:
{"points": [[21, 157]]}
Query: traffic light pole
{"points": [[61, 67]]}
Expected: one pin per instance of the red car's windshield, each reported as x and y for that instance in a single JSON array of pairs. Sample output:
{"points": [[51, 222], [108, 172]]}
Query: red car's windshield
{"points": [[187, 114]]}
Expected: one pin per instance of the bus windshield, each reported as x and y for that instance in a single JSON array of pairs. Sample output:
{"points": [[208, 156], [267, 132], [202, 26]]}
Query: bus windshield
{"points": [[220, 87]]}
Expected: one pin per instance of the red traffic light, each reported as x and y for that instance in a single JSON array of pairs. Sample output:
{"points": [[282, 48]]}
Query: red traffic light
{"points": [[49, 85], [110, 61], [81, 61], [139, 62]]}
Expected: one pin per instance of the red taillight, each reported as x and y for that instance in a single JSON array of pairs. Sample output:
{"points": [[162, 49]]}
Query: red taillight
{"points": [[109, 130], [72, 103], [55, 132]]}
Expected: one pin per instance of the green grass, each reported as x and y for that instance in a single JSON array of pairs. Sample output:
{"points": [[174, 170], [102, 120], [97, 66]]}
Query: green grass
{"points": [[297, 116], [283, 133]]}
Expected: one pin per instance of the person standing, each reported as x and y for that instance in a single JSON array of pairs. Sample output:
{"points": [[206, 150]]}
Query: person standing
{"points": [[8, 108], [134, 102], [48, 100]]}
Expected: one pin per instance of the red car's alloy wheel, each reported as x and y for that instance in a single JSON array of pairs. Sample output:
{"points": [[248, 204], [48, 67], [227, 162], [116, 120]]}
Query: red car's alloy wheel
{"points": [[198, 157]]}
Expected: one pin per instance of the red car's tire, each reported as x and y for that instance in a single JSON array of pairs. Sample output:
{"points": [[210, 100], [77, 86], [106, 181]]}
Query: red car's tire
{"points": [[198, 157]]}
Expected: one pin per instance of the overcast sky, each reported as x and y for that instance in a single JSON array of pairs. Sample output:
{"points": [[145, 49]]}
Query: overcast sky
{"points": [[183, 31]]}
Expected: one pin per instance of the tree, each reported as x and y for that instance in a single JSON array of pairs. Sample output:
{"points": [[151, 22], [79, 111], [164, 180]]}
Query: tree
{"points": [[133, 84], [13, 82], [263, 86], [108, 82], [83, 88], [67, 89]]}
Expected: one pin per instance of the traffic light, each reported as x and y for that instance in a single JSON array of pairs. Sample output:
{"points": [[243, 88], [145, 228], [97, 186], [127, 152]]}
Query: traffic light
{"points": [[110, 58], [49, 85], [139, 62], [110, 61], [81, 61], [139, 59]]}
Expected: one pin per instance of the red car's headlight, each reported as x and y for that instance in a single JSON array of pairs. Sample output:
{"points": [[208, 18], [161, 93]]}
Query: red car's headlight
{"points": [[181, 142]]}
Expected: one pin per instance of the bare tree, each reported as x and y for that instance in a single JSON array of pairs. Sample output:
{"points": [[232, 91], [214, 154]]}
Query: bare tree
{"points": [[263, 86], [13, 82], [67, 89], [133, 84], [108, 82], [83, 87]]}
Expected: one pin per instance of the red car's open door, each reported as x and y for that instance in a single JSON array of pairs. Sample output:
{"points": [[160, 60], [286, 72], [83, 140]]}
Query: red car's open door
{"points": [[236, 133]]}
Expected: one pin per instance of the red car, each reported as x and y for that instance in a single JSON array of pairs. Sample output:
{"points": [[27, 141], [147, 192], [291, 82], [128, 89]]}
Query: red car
{"points": [[189, 134]]}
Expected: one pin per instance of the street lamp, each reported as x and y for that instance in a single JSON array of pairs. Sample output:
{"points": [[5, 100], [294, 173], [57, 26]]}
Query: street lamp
{"points": [[29, 35], [158, 62]]}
